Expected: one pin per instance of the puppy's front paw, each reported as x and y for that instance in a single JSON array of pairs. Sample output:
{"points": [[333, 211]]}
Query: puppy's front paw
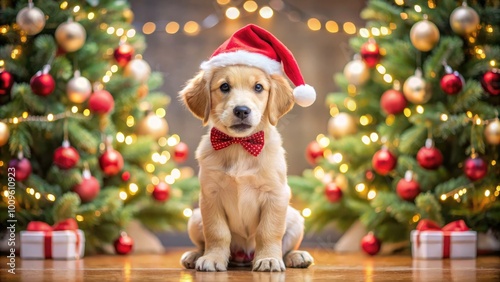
{"points": [[298, 259], [269, 264], [188, 259], [211, 263]]}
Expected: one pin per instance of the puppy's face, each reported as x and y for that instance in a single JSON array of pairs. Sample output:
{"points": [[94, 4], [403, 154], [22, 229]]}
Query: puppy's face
{"points": [[238, 99]]}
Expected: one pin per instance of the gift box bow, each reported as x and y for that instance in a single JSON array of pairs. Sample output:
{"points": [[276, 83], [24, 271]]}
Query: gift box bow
{"points": [[454, 226], [67, 224]]}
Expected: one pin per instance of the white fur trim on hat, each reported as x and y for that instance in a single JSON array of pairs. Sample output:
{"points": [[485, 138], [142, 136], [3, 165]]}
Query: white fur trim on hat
{"points": [[242, 57], [304, 95]]}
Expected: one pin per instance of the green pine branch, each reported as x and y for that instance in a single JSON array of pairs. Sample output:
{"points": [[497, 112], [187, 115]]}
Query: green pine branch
{"points": [[429, 207], [471, 94], [412, 139], [66, 206]]}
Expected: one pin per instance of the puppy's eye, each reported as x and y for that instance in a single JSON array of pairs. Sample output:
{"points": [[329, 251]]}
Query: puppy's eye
{"points": [[224, 88], [258, 88]]}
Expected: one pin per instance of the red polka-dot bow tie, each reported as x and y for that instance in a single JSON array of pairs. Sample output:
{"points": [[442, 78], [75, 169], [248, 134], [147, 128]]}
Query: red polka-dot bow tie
{"points": [[253, 143]]}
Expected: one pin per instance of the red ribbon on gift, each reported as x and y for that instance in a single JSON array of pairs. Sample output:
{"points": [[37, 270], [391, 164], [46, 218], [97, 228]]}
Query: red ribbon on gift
{"points": [[67, 224], [454, 226]]}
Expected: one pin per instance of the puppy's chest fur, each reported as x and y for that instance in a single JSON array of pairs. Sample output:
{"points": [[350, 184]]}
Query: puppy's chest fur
{"points": [[242, 183]]}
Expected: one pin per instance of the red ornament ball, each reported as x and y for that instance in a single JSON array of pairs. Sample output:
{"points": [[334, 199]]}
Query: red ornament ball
{"points": [[452, 83], [383, 161], [393, 102], [333, 192], [66, 157], [22, 167], [161, 192], [407, 190], [101, 102], [42, 84], [370, 244], [126, 176], [181, 152], [123, 54], [313, 152], [88, 189], [111, 162], [429, 157], [370, 53], [491, 82], [475, 168], [124, 244], [6, 82]]}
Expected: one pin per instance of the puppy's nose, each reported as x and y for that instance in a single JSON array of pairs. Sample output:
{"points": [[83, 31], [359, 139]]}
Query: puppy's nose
{"points": [[242, 112]]}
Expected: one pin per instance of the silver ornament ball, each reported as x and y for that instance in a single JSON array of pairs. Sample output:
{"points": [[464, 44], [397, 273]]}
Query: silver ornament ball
{"points": [[424, 35], [342, 125], [356, 72], [70, 36], [31, 20], [153, 126], [492, 132], [78, 89], [4, 133], [416, 90], [464, 20], [138, 69]]}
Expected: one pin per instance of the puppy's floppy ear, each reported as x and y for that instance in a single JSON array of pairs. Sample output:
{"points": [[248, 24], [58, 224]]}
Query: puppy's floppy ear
{"points": [[196, 95], [280, 99]]}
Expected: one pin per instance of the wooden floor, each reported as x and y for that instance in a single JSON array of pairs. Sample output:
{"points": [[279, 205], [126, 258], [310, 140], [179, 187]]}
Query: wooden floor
{"points": [[329, 266]]}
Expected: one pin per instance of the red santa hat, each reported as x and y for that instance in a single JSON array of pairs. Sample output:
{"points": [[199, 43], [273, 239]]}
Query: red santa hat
{"points": [[255, 46]]}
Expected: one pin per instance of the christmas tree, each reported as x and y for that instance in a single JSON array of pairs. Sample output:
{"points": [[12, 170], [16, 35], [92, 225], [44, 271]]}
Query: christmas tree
{"points": [[82, 130], [414, 132]]}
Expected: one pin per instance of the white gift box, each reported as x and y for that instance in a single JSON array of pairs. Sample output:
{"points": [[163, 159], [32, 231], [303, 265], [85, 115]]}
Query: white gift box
{"points": [[64, 244], [431, 244]]}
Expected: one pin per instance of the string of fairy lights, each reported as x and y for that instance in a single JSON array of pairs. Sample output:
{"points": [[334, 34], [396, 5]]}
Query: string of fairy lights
{"points": [[192, 28], [365, 120], [234, 10], [373, 137], [158, 158], [230, 11]]}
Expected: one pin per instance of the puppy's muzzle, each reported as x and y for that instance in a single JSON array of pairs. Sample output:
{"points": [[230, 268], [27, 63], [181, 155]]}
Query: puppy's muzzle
{"points": [[241, 112]]}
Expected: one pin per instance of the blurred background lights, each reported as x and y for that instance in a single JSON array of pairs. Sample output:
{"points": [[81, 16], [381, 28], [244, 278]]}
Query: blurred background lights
{"points": [[250, 6], [232, 13], [266, 12]]}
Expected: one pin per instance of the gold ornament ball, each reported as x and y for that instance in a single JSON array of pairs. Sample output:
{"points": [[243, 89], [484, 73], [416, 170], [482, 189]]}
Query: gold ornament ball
{"points": [[424, 35], [70, 36], [464, 20], [4, 133], [356, 72], [341, 125], [153, 125], [138, 69], [31, 20], [78, 89], [416, 90], [492, 132], [128, 15]]}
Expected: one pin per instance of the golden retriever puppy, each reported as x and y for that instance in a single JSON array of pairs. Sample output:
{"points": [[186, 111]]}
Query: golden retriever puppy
{"points": [[244, 215]]}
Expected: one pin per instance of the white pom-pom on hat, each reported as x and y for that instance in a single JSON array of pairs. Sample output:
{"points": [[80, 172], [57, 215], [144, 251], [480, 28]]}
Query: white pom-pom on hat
{"points": [[304, 95]]}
